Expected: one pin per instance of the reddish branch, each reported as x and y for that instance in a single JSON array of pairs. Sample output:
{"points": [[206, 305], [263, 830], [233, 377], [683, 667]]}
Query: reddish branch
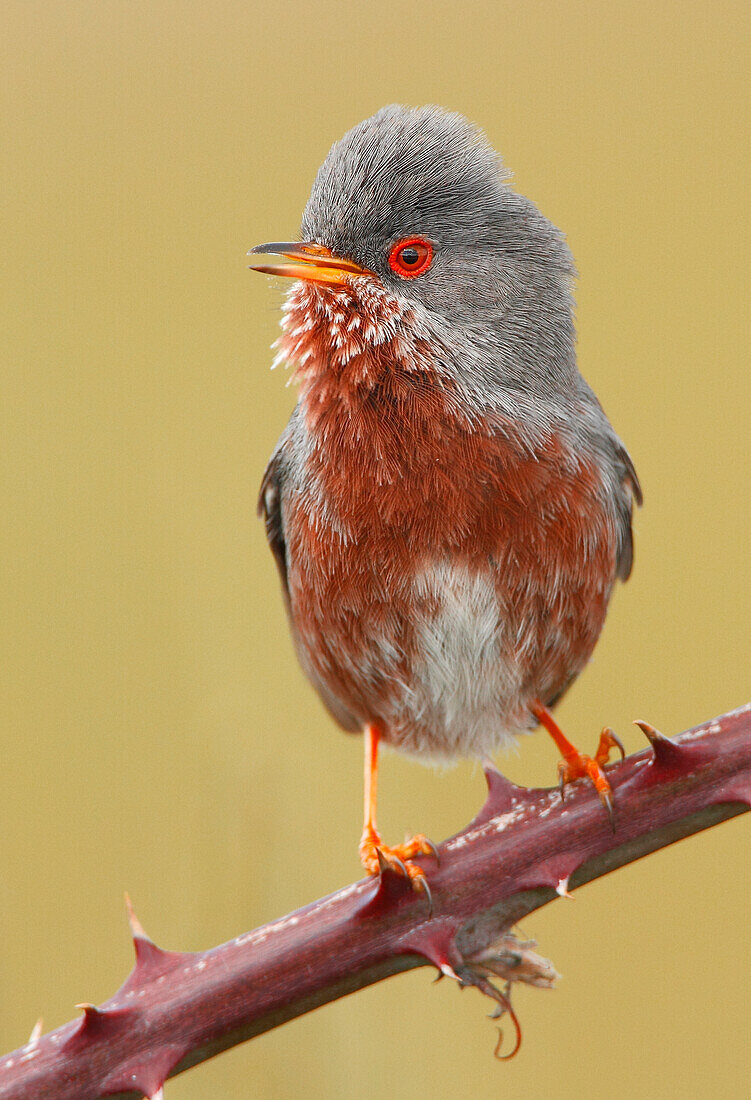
{"points": [[525, 846]]}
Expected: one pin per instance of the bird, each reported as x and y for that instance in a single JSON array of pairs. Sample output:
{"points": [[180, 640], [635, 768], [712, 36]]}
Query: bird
{"points": [[449, 506]]}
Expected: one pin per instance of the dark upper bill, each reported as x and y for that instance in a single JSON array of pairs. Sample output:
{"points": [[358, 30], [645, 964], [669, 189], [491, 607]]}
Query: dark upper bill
{"points": [[310, 261]]}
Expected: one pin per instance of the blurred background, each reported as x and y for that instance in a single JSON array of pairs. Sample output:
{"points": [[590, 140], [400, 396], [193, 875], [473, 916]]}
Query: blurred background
{"points": [[157, 734]]}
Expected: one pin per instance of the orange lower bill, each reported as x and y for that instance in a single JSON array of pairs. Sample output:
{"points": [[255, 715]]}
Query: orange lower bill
{"points": [[314, 262]]}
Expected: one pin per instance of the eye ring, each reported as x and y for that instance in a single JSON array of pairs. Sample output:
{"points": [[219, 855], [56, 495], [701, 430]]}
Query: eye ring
{"points": [[410, 257]]}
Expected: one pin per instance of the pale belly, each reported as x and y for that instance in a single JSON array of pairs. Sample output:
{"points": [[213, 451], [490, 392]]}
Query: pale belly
{"points": [[446, 668], [465, 695]]}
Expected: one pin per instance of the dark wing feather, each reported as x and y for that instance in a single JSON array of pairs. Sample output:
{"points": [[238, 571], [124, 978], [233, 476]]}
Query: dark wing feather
{"points": [[270, 508], [625, 556], [632, 493]]}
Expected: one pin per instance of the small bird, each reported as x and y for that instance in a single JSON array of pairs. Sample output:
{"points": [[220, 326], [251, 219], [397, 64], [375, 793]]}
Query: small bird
{"points": [[448, 506]]}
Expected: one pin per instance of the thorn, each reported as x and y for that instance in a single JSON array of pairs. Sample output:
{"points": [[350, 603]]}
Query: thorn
{"points": [[36, 1032], [136, 927], [737, 790], [666, 751], [562, 889], [149, 957], [448, 972], [93, 1019], [99, 1023], [146, 1071], [435, 942], [649, 731], [500, 789], [502, 795]]}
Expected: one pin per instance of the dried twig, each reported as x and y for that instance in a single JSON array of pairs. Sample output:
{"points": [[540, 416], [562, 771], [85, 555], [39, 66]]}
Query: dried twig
{"points": [[524, 848]]}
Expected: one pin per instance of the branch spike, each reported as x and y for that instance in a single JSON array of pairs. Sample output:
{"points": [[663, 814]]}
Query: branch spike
{"points": [[553, 873], [738, 789], [100, 1023], [145, 1073], [392, 882], [145, 948], [136, 928], [562, 889], [36, 1033], [503, 795], [668, 754], [151, 961], [436, 943]]}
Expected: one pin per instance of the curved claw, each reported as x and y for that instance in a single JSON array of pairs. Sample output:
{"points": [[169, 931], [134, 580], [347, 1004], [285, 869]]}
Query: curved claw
{"points": [[419, 882], [615, 741], [606, 798], [562, 780], [391, 863], [398, 865], [433, 850]]}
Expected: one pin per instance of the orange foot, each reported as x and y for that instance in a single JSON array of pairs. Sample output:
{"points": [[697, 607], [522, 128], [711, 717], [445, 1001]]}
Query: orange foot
{"points": [[575, 765], [377, 857]]}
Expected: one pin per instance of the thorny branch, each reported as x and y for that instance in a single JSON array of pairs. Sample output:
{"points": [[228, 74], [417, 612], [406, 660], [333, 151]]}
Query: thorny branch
{"points": [[523, 849]]}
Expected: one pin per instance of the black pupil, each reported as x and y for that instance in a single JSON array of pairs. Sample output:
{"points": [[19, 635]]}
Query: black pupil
{"points": [[409, 256]]}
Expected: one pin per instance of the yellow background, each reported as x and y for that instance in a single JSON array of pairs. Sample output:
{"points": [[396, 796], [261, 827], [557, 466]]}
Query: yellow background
{"points": [[157, 735]]}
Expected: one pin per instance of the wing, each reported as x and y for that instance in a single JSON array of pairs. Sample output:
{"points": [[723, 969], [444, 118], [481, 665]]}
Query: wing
{"points": [[631, 494], [270, 508]]}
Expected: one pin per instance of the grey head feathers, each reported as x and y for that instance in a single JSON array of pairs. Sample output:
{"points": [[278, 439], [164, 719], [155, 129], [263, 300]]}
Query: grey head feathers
{"points": [[501, 274], [408, 170]]}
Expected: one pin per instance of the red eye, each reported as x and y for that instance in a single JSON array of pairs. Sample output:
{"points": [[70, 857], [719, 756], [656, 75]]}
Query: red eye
{"points": [[411, 257]]}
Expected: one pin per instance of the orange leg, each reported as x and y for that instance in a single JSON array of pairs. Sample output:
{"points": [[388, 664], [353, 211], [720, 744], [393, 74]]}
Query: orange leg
{"points": [[575, 765], [374, 855]]}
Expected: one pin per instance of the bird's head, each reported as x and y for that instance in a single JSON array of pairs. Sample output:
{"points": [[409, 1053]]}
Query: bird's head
{"points": [[411, 217]]}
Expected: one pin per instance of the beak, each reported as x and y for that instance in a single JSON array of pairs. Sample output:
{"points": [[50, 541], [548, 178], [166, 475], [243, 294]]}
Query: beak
{"points": [[312, 261]]}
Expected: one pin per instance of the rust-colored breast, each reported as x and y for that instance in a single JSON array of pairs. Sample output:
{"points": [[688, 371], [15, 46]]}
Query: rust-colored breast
{"points": [[398, 477]]}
